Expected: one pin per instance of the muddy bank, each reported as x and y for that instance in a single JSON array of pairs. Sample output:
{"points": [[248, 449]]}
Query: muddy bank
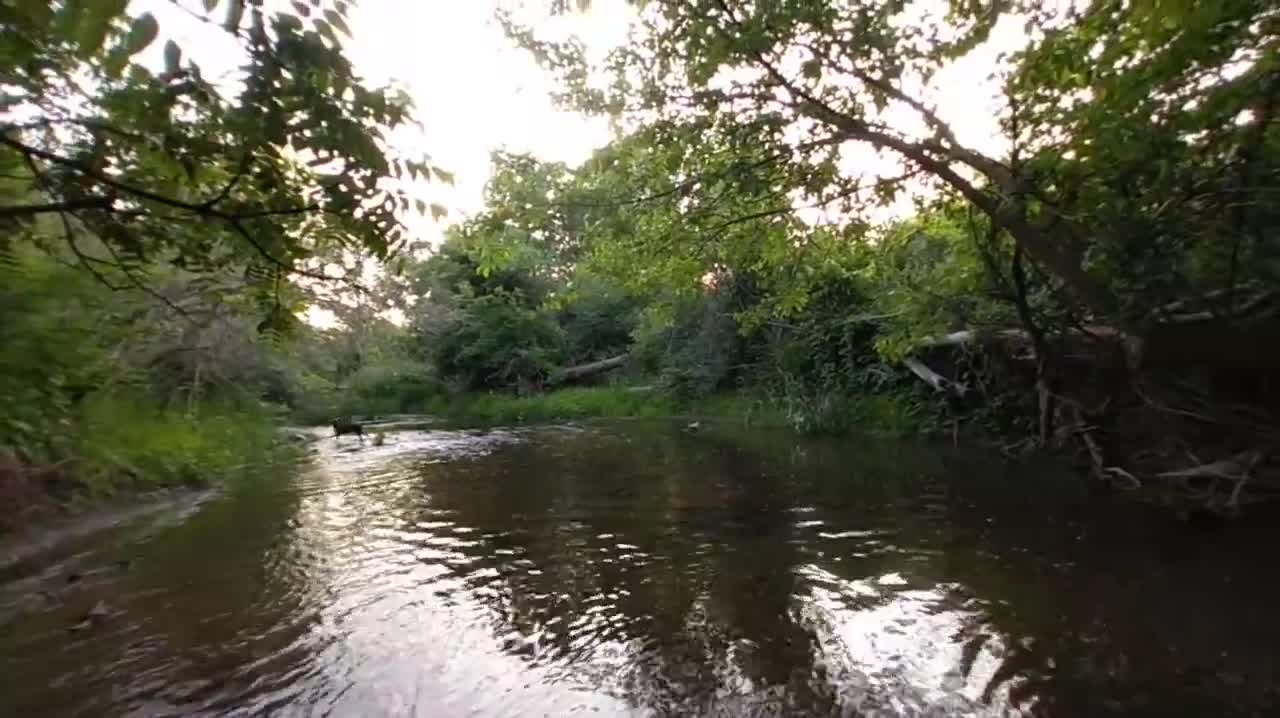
{"points": [[42, 543]]}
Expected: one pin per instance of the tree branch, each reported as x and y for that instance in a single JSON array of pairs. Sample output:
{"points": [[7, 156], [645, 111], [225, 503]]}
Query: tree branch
{"points": [[232, 219], [72, 205], [1010, 215]]}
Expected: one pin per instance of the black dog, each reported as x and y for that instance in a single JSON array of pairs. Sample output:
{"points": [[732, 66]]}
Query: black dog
{"points": [[341, 427]]}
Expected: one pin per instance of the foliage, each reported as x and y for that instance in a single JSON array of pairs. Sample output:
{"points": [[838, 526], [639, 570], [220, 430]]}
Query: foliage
{"points": [[166, 216], [500, 341], [52, 349], [122, 390], [882, 414], [1133, 173], [275, 164], [510, 296], [694, 352]]}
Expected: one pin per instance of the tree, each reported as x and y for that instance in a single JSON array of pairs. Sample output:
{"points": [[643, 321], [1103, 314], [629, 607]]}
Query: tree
{"points": [[260, 172], [1128, 138]]}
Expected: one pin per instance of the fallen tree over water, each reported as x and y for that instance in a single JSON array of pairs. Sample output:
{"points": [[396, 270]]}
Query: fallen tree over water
{"points": [[1194, 421]]}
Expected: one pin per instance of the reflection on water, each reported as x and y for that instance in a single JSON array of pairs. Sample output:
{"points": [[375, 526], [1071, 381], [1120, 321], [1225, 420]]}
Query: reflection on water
{"points": [[638, 570]]}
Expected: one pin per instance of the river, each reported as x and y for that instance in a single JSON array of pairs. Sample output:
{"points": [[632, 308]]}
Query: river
{"points": [[641, 568]]}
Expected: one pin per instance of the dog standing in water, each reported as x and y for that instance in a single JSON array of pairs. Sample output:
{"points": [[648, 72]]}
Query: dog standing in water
{"points": [[341, 427]]}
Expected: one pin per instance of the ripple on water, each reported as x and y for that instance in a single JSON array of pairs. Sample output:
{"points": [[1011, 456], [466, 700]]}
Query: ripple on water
{"points": [[897, 650], [538, 572]]}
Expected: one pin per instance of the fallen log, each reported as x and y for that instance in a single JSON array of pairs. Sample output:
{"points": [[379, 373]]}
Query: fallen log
{"points": [[939, 382], [571, 374]]}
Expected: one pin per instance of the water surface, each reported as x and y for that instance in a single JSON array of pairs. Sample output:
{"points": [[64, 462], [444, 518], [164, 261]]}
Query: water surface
{"points": [[640, 569]]}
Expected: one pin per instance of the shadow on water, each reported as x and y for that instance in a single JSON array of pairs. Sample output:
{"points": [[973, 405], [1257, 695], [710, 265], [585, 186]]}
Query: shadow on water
{"points": [[635, 568]]}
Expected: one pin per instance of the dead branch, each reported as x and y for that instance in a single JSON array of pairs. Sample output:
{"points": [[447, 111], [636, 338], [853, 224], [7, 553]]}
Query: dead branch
{"points": [[934, 379], [1233, 468]]}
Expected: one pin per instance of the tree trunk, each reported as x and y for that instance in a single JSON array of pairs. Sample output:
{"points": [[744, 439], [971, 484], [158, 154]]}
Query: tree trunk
{"points": [[568, 375]]}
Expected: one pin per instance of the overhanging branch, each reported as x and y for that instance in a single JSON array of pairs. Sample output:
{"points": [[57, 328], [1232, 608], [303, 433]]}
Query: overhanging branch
{"points": [[31, 210]]}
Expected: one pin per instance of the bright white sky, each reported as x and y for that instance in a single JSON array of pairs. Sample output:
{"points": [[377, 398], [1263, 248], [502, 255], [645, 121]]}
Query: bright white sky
{"points": [[475, 92]]}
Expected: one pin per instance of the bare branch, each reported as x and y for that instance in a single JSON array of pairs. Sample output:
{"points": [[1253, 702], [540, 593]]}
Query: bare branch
{"points": [[73, 205]]}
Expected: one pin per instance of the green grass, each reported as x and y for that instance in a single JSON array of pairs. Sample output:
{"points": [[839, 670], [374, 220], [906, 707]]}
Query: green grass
{"points": [[121, 442], [572, 403], [890, 414], [882, 414]]}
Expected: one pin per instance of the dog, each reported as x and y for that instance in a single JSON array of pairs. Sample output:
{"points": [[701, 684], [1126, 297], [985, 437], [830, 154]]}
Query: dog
{"points": [[341, 427]]}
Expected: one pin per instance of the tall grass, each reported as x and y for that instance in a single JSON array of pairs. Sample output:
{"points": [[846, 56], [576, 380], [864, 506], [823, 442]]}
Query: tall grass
{"points": [[571, 403], [892, 414], [123, 441], [882, 414]]}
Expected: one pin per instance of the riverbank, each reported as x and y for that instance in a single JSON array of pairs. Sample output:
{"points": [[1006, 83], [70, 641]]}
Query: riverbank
{"points": [[120, 449]]}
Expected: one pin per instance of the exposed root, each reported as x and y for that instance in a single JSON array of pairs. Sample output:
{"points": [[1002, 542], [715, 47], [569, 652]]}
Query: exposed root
{"points": [[1083, 430], [1234, 468], [1134, 482], [1237, 470], [1233, 501]]}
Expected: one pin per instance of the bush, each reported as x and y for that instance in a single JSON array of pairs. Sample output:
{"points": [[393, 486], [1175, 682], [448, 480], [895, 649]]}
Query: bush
{"points": [[694, 351], [499, 341], [388, 388]]}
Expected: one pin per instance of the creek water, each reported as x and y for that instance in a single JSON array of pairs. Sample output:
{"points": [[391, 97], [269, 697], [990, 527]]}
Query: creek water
{"points": [[637, 568]]}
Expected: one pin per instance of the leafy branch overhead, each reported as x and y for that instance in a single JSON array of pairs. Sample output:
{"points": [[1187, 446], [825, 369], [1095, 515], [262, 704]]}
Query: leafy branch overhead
{"points": [[283, 161], [1138, 153]]}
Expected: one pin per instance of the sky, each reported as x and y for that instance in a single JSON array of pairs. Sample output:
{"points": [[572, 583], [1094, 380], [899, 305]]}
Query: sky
{"points": [[475, 92]]}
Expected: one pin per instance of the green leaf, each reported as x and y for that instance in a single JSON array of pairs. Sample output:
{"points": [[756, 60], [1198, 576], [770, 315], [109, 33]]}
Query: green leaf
{"points": [[141, 34], [326, 30], [210, 5], [69, 18], [172, 57], [37, 12], [302, 8], [288, 22], [439, 212], [442, 175], [335, 19]]}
